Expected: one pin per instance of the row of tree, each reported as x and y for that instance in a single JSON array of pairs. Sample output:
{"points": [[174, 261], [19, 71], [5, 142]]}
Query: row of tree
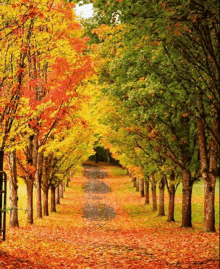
{"points": [[159, 69], [46, 127], [143, 186]]}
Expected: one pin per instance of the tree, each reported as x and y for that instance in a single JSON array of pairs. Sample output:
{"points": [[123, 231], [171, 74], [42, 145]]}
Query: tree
{"points": [[13, 189], [41, 48], [173, 48]]}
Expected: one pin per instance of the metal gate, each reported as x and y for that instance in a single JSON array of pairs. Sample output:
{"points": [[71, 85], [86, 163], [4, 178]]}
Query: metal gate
{"points": [[3, 199]]}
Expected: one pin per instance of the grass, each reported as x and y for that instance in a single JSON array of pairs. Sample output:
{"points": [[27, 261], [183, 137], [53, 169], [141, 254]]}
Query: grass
{"points": [[22, 199], [67, 239], [137, 209], [198, 202], [138, 212], [22, 202], [117, 171]]}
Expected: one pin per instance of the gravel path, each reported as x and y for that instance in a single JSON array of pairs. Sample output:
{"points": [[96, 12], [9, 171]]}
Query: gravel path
{"points": [[96, 189]]}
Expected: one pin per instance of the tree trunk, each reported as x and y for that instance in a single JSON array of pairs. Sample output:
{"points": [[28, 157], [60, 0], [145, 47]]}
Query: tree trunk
{"points": [[61, 190], [38, 180], [137, 184], [142, 187], [29, 186], [147, 192], [171, 191], [209, 172], [45, 202], [45, 184], [68, 180], [57, 197], [53, 200], [13, 189], [161, 196], [209, 205], [64, 186], [134, 182], [31, 159], [186, 199], [154, 192]]}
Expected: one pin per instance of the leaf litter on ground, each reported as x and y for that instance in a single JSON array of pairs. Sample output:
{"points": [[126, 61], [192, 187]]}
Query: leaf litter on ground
{"points": [[68, 240]]}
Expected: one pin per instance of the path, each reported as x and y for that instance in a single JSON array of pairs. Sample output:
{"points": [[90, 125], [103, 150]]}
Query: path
{"points": [[91, 230], [95, 208]]}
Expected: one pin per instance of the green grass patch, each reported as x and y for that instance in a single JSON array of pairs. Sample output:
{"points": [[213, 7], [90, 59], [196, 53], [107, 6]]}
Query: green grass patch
{"points": [[140, 211], [198, 203], [123, 188], [22, 202], [117, 171], [198, 189], [137, 211]]}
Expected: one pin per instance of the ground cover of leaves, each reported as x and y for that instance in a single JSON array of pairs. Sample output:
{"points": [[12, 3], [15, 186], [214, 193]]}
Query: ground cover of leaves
{"points": [[68, 240]]}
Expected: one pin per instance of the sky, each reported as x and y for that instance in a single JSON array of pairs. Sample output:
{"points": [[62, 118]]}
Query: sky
{"points": [[84, 11]]}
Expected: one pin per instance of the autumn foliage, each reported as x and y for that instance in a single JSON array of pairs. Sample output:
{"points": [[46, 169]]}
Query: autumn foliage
{"points": [[43, 99], [126, 241], [159, 70], [141, 79]]}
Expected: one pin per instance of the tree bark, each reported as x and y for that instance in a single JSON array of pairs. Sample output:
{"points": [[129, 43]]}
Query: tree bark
{"points": [[64, 186], [45, 184], [31, 159], [134, 182], [53, 200], [209, 172], [209, 205], [61, 190], [29, 186], [38, 180], [68, 180], [57, 197], [13, 189], [147, 192], [137, 184], [45, 202], [161, 196], [209, 199], [142, 187], [171, 191], [154, 192], [187, 184]]}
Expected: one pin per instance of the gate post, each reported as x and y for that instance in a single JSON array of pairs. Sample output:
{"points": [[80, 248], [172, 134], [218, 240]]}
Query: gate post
{"points": [[3, 198]]}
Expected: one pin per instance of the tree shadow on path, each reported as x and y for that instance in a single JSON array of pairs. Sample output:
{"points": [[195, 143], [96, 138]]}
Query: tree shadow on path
{"points": [[95, 189]]}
